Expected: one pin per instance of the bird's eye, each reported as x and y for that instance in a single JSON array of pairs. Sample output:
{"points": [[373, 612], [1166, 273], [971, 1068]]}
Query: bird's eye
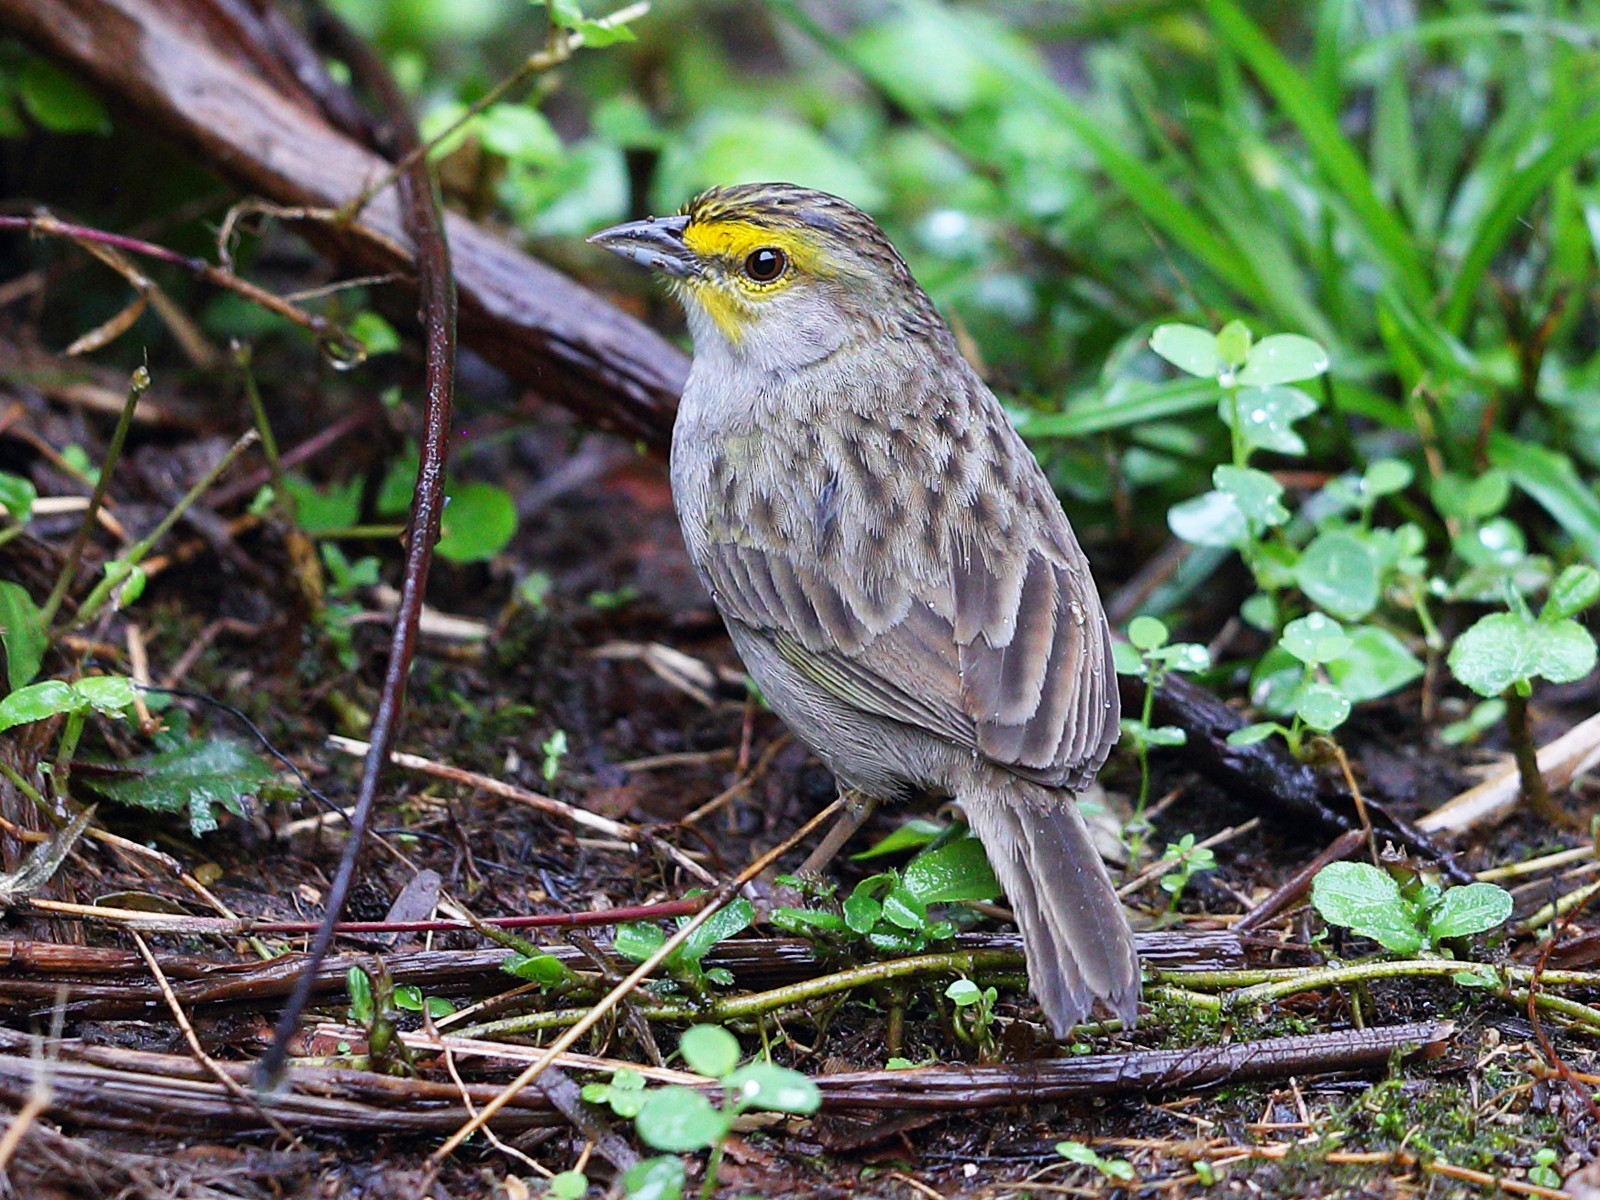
{"points": [[766, 264]]}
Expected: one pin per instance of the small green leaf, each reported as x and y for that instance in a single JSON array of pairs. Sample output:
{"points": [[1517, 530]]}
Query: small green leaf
{"points": [[1249, 735], [1233, 343], [375, 334], [654, 1179], [1165, 735], [1283, 358], [1468, 910], [198, 774], [1473, 499], [478, 522], [1503, 649], [903, 908], [861, 912], [769, 1088], [638, 940], [1375, 664], [958, 870], [912, 835], [709, 1050], [964, 992], [679, 1119], [1366, 901], [16, 498], [1146, 633], [546, 970], [38, 702], [1267, 417], [1209, 519], [22, 633], [58, 101], [439, 1007], [1387, 476], [359, 985], [732, 919], [108, 694], [1257, 494], [1126, 659], [1574, 590], [1322, 706], [1187, 657], [1187, 347], [408, 997], [568, 1185], [1340, 571], [1314, 639]]}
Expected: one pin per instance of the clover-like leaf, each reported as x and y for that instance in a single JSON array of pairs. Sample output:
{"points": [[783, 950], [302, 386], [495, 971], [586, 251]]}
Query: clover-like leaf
{"points": [[1322, 706], [1505, 649], [1314, 639], [1387, 476], [660, 1178], [1147, 633]]}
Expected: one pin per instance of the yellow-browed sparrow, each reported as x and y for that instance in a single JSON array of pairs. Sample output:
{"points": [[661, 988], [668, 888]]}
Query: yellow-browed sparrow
{"points": [[891, 563]]}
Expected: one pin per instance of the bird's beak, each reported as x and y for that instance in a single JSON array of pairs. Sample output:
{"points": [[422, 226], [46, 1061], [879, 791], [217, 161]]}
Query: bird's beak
{"points": [[655, 242]]}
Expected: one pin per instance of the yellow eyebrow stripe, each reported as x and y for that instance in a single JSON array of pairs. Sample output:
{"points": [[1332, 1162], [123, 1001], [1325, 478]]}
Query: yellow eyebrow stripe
{"points": [[733, 240]]}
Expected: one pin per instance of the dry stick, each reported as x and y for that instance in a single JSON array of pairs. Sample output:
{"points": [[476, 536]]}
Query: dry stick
{"points": [[425, 224], [638, 975], [322, 328], [1291, 889], [138, 385], [1560, 761], [545, 804], [204, 1059]]}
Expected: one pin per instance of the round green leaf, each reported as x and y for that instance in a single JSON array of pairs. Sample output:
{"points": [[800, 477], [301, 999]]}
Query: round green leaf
{"points": [[1340, 571], [1187, 347], [1211, 519], [770, 1088], [1256, 493], [1124, 657], [58, 101], [958, 870], [679, 1119], [568, 1185], [1146, 633], [1251, 734], [1386, 476], [1233, 342], [1375, 664], [478, 522], [709, 1050], [1315, 638], [861, 912], [1322, 706], [16, 498], [1283, 358]]}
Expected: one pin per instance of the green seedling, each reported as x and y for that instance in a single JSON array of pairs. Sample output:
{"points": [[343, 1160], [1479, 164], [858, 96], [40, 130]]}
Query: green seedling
{"points": [[409, 998], [1408, 915], [680, 1120], [1503, 653], [1188, 860], [554, 749], [373, 1007], [1148, 655], [1119, 1169], [974, 1014], [638, 940]]}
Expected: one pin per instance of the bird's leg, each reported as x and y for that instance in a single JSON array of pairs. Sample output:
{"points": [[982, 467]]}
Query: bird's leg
{"points": [[857, 808]]}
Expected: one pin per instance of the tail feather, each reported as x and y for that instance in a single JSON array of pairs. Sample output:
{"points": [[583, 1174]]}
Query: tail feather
{"points": [[1074, 930]]}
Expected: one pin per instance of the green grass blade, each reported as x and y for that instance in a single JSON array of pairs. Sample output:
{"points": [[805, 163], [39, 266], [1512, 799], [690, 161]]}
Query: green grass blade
{"points": [[1336, 159], [1551, 479], [1093, 414], [1518, 189]]}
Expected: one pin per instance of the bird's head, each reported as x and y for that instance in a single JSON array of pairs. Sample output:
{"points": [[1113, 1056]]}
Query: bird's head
{"points": [[774, 275]]}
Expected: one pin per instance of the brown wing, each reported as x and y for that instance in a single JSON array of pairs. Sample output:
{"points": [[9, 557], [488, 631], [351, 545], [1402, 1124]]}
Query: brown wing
{"points": [[987, 632]]}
